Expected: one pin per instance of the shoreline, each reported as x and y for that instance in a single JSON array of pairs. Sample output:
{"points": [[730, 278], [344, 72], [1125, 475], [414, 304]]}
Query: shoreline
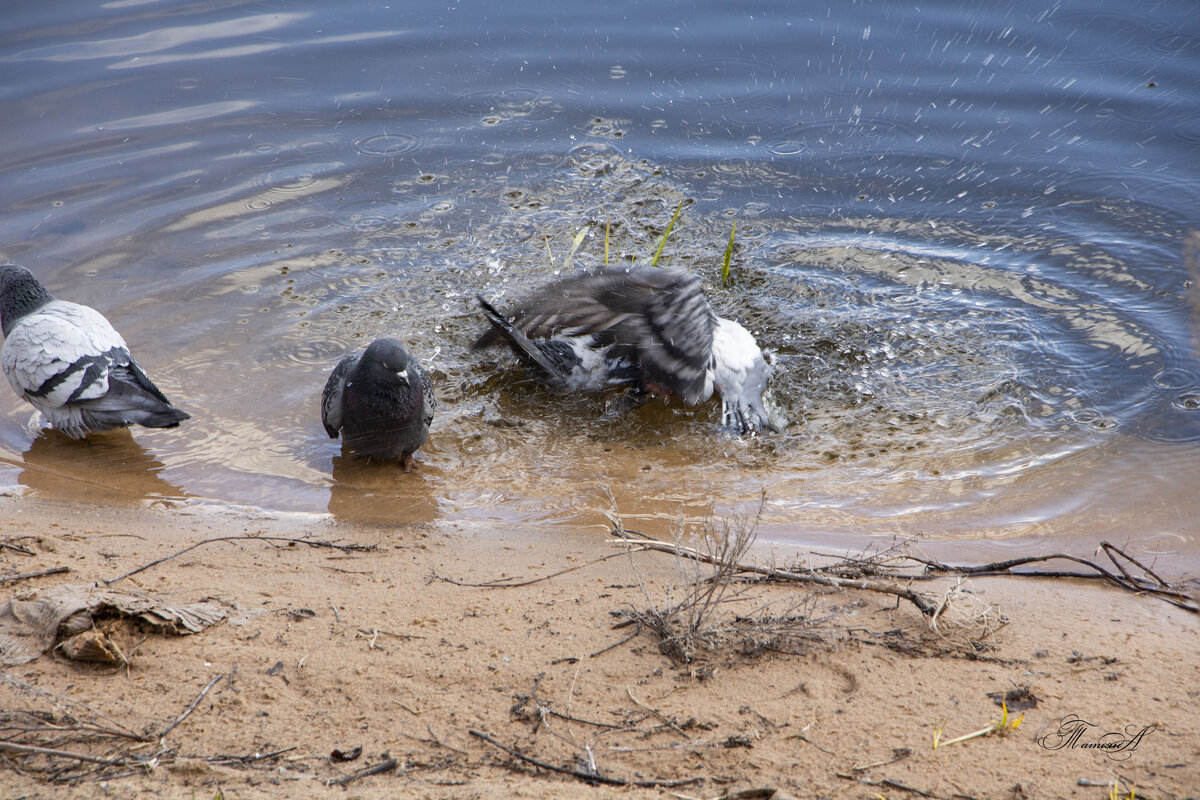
{"points": [[383, 648]]}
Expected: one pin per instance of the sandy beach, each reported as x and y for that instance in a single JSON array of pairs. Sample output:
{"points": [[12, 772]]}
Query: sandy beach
{"points": [[339, 650]]}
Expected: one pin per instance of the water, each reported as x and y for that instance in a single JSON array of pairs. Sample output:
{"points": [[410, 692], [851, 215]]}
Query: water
{"points": [[968, 232]]}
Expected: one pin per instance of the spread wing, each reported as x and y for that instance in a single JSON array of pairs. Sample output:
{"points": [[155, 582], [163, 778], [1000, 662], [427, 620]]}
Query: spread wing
{"points": [[656, 317]]}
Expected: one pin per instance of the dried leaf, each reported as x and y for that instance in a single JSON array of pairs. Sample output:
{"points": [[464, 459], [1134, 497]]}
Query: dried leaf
{"points": [[30, 625]]}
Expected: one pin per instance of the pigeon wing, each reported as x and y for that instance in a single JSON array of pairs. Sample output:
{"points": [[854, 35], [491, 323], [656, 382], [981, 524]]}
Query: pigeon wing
{"points": [[659, 317], [331, 398], [430, 399]]}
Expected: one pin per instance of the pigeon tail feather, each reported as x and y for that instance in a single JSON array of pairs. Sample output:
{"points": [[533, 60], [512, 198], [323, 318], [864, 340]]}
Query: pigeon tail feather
{"points": [[525, 347]]}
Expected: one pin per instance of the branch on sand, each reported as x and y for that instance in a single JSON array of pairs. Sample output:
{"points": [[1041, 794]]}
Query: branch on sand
{"points": [[315, 543], [586, 776], [851, 574], [924, 604]]}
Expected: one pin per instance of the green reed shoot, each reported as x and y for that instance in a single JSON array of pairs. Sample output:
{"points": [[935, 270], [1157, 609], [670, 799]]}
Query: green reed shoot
{"points": [[728, 255], [667, 232]]}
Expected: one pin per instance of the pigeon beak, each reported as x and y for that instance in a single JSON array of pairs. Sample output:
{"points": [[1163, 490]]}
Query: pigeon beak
{"points": [[403, 374]]}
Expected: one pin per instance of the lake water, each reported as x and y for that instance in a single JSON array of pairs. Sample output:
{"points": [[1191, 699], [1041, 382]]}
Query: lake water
{"points": [[968, 232]]}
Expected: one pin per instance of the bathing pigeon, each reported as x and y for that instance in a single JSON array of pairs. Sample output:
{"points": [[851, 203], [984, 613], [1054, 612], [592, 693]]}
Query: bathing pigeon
{"points": [[652, 328], [382, 402], [70, 364]]}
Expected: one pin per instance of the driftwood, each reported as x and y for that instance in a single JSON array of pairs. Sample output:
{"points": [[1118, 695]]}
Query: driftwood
{"points": [[859, 573], [1147, 583]]}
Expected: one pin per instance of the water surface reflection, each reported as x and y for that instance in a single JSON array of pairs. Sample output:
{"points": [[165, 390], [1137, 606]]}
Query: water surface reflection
{"points": [[105, 468], [965, 237]]}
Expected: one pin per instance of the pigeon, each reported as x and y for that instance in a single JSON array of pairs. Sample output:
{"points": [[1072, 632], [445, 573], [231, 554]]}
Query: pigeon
{"points": [[652, 329], [68, 362], [381, 402]]}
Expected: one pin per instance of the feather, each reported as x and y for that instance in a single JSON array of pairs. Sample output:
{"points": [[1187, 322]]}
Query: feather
{"points": [[653, 328]]}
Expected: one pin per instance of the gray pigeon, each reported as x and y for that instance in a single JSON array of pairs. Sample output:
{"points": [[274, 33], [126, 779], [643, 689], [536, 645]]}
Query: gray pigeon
{"points": [[382, 402], [69, 363], [649, 328]]}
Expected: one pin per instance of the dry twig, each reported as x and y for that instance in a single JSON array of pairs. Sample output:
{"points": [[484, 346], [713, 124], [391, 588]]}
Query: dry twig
{"points": [[580, 774], [41, 573], [387, 765], [511, 583], [345, 548], [1148, 583], [187, 711], [923, 604]]}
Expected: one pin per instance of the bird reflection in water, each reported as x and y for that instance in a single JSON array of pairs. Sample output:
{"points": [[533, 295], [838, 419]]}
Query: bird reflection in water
{"points": [[105, 468], [380, 492]]}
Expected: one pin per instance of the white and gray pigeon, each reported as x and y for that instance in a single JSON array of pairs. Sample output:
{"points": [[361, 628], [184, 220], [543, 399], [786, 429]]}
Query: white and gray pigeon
{"points": [[69, 363], [650, 328], [382, 403]]}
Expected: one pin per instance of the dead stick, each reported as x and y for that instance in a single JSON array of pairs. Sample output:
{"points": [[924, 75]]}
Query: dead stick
{"points": [[888, 783], [386, 765], [1158, 587], [615, 645], [29, 749], [83, 727], [291, 540], [192, 707], [574, 773], [1004, 566], [250, 759], [923, 604], [41, 573], [1172, 596], [504, 583], [759, 793], [663, 718], [1109, 549], [543, 708]]}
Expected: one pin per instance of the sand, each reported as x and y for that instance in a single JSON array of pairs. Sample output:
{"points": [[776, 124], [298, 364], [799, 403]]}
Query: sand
{"points": [[383, 657]]}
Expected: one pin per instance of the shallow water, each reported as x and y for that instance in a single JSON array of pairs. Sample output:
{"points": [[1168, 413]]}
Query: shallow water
{"points": [[969, 234]]}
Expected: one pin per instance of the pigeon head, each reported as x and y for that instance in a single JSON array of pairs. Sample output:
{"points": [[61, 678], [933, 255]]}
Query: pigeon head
{"points": [[20, 294], [386, 359], [740, 375]]}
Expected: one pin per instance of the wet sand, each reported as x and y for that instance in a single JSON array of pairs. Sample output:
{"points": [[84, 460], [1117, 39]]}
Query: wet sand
{"points": [[385, 650]]}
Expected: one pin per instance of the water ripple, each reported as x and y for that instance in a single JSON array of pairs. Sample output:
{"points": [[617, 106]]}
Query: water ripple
{"points": [[388, 144]]}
